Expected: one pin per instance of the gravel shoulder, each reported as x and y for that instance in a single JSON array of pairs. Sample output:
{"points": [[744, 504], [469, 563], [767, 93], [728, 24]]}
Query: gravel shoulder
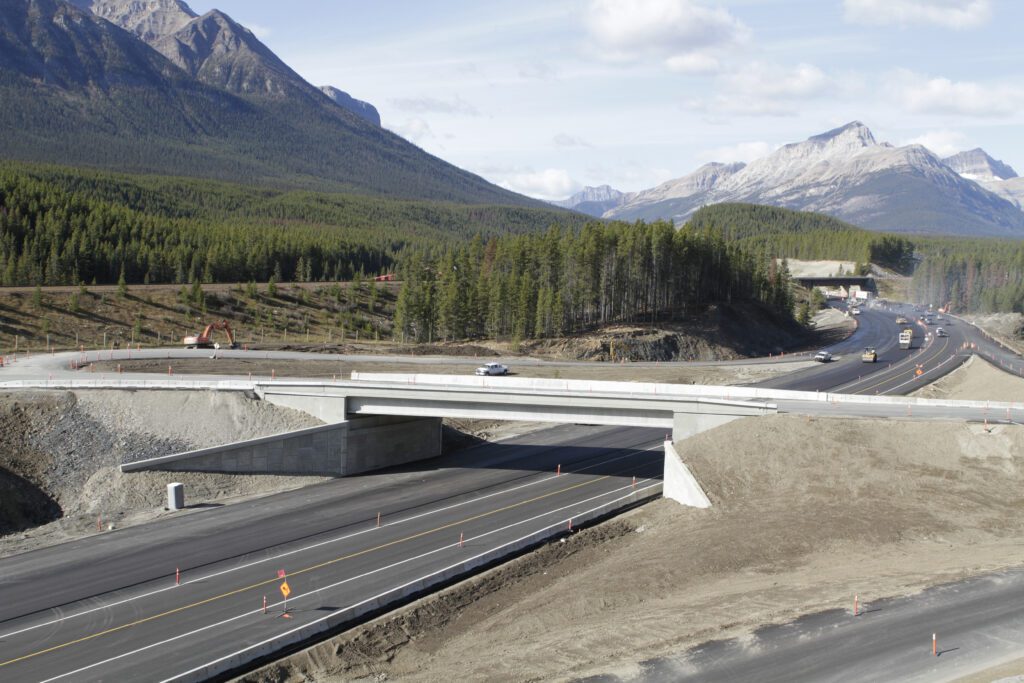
{"points": [[806, 513]]}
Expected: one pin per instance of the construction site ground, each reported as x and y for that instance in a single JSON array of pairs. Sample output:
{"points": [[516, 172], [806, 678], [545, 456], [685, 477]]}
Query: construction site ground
{"points": [[806, 513]]}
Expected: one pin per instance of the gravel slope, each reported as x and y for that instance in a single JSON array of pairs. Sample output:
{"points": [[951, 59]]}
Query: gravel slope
{"points": [[61, 452]]}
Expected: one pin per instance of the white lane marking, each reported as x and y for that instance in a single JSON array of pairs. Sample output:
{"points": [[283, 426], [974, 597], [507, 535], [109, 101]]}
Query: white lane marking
{"points": [[309, 547], [259, 610], [905, 361]]}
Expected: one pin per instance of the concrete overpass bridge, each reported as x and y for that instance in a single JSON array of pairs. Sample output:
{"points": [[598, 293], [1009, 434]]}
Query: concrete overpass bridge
{"points": [[381, 420]]}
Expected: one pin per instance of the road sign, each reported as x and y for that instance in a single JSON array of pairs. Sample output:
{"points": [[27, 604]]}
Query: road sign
{"points": [[285, 590], [280, 573]]}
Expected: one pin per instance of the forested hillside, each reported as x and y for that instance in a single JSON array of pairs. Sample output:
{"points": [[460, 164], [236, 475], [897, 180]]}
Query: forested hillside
{"points": [[65, 226], [985, 274], [804, 235], [564, 282], [972, 275], [77, 90]]}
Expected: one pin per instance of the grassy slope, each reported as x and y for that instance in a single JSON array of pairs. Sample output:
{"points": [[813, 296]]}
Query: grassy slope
{"points": [[162, 316]]}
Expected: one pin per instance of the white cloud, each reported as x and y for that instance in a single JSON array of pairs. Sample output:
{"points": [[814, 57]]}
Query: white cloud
{"points": [[764, 89], [958, 14], [551, 183], [923, 95], [777, 82], [537, 71], [566, 140], [744, 151], [434, 105], [626, 30], [414, 130], [694, 63], [944, 143]]}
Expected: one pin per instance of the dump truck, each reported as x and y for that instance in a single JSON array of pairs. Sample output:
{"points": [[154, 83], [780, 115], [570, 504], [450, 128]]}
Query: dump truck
{"points": [[906, 338], [869, 355], [204, 340]]}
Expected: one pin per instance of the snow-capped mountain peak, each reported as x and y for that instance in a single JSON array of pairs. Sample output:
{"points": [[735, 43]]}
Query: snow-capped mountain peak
{"points": [[847, 173], [976, 164]]}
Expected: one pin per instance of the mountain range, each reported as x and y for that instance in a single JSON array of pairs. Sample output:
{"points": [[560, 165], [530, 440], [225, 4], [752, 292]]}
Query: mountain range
{"points": [[845, 173], [149, 86]]}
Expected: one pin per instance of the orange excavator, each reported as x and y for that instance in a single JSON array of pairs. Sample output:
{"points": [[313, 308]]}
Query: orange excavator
{"points": [[204, 340]]}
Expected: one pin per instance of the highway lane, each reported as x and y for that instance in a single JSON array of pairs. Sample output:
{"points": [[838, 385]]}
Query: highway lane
{"points": [[148, 629], [35, 588]]}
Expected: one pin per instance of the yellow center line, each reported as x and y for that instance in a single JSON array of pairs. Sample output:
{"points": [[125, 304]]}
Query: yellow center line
{"points": [[321, 565]]}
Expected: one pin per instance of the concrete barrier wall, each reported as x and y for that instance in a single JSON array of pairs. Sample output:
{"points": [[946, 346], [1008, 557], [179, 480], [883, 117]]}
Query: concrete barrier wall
{"points": [[668, 391], [404, 593], [680, 484], [334, 450]]}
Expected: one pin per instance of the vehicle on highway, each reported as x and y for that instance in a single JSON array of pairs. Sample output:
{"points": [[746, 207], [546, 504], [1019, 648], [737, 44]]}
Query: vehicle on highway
{"points": [[854, 311], [901, 320], [939, 332], [906, 338], [823, 356], [869, 355], [492, 369]]}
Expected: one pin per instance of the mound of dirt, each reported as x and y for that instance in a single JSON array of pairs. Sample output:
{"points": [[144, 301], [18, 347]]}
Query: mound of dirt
{"points": [[1008, 328], [806, 513], [720, 333], [60, 456], [976, 380]]}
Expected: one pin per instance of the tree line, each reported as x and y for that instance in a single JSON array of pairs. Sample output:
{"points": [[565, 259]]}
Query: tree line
{"points": [[62, 226], [805, 235], [972, 275], [565, 281]]}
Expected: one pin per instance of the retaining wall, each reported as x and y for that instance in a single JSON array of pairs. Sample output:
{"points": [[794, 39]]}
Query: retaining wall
{"points": [[337, 450]]}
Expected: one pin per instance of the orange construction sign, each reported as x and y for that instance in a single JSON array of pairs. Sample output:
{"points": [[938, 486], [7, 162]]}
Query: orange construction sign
{"points": [[285, 590]]}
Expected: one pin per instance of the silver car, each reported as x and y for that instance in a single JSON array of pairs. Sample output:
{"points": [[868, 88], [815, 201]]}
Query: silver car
{"points": [[492, 369]]}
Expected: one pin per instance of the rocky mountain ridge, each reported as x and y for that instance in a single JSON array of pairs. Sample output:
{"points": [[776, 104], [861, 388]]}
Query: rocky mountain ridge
{"points": [[217, 50], [846, 173], [78, 90]]}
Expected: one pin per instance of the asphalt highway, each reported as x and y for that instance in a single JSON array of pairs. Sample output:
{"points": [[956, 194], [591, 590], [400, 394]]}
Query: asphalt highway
{"points": [[107, 608]]}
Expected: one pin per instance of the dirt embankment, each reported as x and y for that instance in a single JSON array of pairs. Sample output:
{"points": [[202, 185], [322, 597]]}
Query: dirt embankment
{"points": [[60, 455], [1007, 328], [806, 513]]}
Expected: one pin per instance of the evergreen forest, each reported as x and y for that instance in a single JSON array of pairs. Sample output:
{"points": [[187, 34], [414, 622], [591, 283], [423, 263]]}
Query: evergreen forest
{"points": [[562, 281], [61, 226]]}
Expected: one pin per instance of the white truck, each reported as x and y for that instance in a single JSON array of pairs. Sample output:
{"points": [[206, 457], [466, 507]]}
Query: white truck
{"points": [[906, 338]]}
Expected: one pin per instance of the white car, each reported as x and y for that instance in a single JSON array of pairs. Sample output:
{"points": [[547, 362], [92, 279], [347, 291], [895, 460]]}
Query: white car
{"points": [[492, 369], [939, 332], [823, 356]]}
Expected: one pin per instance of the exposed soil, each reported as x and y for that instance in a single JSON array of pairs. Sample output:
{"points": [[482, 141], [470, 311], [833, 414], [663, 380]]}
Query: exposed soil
{"points": [[806, 513], [60, 454], [1008, 328]]}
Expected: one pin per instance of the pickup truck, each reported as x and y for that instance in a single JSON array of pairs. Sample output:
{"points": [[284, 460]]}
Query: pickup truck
{"points": [[492, 369]]}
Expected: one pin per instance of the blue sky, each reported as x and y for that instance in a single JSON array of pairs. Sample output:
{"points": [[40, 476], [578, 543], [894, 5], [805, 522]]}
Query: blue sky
{"points": [[545, 97]]}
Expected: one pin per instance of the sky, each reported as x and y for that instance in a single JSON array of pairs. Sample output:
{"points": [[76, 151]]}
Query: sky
{"points": [[545, 97]]}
